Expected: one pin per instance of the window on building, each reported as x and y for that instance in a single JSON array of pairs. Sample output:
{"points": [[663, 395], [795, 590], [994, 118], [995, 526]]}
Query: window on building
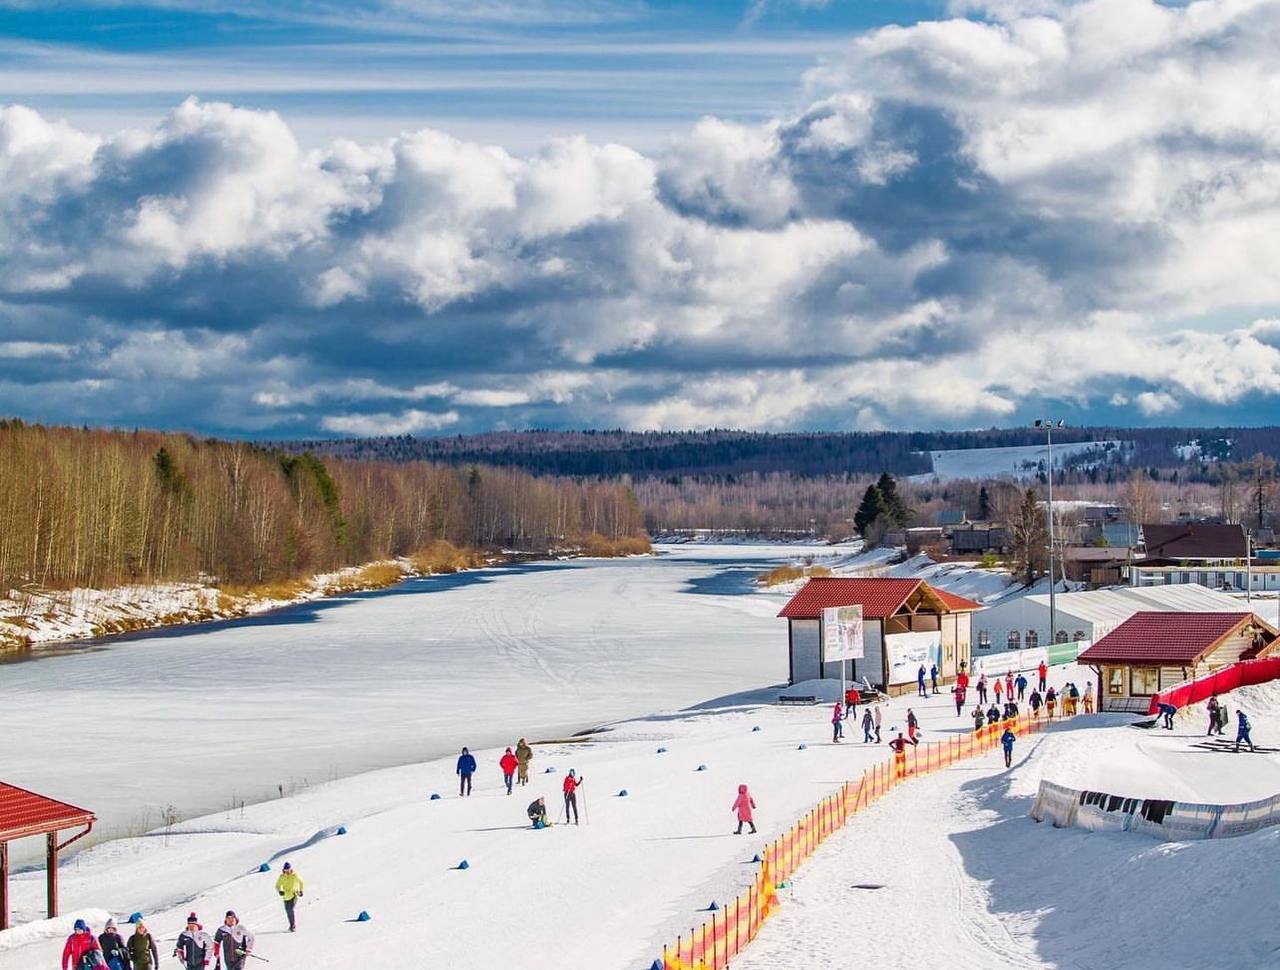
{"points": [[1115, 682], [1060, 636], [984, 639], [1143, 681], [1077, 636], [1015, 640], [1033, 639]]}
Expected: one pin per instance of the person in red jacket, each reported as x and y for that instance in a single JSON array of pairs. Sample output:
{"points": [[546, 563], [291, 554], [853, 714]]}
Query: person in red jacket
{"points": [[1043, 671], [79, 944], [851, 699], [743, 805], [508, 764], [571, 785]]}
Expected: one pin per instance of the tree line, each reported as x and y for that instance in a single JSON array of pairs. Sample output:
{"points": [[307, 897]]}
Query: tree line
{"points": [[82, 507]]}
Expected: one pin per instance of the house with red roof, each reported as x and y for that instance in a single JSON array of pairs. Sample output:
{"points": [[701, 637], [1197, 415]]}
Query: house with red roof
{"points": [[906, 623], [1153, 651]]}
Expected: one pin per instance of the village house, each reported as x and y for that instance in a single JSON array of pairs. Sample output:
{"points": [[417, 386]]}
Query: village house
{"points": [[1211, 554]]}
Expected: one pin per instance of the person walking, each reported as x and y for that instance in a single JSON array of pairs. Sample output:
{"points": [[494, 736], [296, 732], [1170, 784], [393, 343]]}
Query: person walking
{"points": [[524, 754], [851, 699], [837, 723], [1242, 730], [1035, 701], [466, 768], [114, 950], [982, 689], [933, 677], [1214, 707], [959, 693], [899, 746], [998, 690], [509, 763], [993, 714], [537, 812], [868, 725], [877, 723], [913, 725], [1088, 697], [289, 886], [1043, 671], [979, 718], [80, 944], [1050, 699], [233, 943], [143, 954], [1006, 742], [194, 946], [744, 805], [571, 785], [1021, 684], [1008, 685], [920, 682]]}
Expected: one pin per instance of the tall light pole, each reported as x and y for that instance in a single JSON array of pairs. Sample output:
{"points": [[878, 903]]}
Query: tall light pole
{"points": [[1048, 424]]}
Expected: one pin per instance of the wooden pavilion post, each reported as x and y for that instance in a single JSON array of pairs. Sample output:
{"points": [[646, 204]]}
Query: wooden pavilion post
{"points": [[4, 885], [52, 872]]}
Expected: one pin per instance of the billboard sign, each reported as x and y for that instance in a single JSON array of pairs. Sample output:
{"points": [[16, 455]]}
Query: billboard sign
{"points": [[842, 633], [907, 652]]}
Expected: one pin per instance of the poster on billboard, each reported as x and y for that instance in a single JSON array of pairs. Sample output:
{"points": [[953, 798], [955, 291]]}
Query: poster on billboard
{"points": [[907, 652], [842, 633]]}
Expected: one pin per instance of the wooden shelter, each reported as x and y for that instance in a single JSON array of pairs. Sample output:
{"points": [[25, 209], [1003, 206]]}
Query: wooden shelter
{"points": [[25, 814]]}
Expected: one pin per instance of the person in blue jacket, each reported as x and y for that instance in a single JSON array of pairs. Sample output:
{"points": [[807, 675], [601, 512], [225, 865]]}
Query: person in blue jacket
{"points": [[1006, 741], [1167, 711], [933, 677], [1242, 731], [920, 682], [466, 768]]}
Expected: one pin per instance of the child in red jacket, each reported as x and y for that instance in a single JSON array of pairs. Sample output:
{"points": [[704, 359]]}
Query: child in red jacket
{"points": [[743, 805]]}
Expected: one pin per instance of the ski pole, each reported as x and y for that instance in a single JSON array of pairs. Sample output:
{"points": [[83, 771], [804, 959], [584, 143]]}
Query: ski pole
{"points": [[586, 816], [246, 953]]}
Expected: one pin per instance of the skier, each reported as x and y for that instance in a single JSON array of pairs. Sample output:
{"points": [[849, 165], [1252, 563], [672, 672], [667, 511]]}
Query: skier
{"points": [[1006, 741], [959, 693], [524, 754], [837, 725], [920, 682], [868, 725], [979, 719], [982, 689], [1035, 701], [743, 805], [913, 725], [466, 768], [933, 677], [509, 763], [877, 724], [143, 954], [899, 746], [537, 812], [289, 886], [1021, 684], [1242, 731], [1050, 699], [194, 946], [114, 951], [851, 698], [1214, 707], [234, 941], [571, 784], [1043, 671], [1167, 711], [76, 953], [1088, 697]]}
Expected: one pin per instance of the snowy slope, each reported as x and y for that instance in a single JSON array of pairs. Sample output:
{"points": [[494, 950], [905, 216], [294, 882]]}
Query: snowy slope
{"points": [[1016, 461]]}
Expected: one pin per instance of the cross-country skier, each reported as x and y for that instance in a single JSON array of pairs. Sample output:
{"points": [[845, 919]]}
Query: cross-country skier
{"points": [[537, 812], [743, 805], [79, 945], [1242, 730], [837, 724], [933, 677], [524, 754], [289, 886], [508, 764], [868, 725], [920, 682], [1167, 711], [1006, 741], [1043, 671], [232, 943], [982, 689], [113, 946], [143, 954], [194, 947], [877, 709], [1021, 684], [466, 768], [571, 784]]}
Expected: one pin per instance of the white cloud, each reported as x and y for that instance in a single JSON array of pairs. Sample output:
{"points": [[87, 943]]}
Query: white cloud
{"points": [[1155, 403], [372, 425]]}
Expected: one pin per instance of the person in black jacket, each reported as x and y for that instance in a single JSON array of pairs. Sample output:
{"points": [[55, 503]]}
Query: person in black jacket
{"points": [[114, 951]]}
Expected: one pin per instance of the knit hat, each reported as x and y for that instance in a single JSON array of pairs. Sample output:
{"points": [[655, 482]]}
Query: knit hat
{"points": [[288, 868], [111, 925], [81, 926], [232, 912], [193, 918]]}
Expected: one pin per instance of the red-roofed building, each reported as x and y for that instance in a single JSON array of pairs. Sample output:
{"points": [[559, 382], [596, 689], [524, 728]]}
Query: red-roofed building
{"points": [[24, 813], [1153, 651], [906, 623]]}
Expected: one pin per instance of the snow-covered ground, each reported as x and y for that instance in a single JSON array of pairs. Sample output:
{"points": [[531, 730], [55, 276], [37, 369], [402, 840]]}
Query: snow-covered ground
{"points": [[1015, 461]]}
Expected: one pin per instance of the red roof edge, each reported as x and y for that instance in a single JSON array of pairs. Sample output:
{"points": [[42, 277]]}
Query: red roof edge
{"points": [[25, 813]]}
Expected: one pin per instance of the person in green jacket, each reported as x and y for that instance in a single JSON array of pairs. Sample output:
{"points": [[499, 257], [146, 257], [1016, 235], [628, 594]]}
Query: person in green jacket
{"points": [[143, 954], [524, 754], [289, 886]]}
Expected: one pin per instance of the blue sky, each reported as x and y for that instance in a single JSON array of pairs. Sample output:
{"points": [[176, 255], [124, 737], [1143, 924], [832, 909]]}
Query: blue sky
{"points": [[287, 219]]}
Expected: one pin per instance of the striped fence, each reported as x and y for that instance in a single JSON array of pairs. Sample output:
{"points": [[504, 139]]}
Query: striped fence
{"points": [[728, 931]]}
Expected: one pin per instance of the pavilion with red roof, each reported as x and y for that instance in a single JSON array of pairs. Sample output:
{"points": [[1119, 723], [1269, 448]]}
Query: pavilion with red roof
{"points": [[24, 814], [1153, 651], [906, 623]]}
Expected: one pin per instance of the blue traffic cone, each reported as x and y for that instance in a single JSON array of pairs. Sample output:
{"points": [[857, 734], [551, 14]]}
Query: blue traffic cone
{"points": [[464, 864], [714, 907], [756, 728], [342, 830], [702, 767], [802, 747], [662, 751], [435, 796], [135, 917], [550, 770], [756, 858], [265, 867], [363, 917], [656, 965], [623, 793]]}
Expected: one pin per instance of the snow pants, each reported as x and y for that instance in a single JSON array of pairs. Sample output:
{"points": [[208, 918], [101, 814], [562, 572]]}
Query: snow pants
{"points": [[1242, 737], [522, 773], [920, 687], [289, 906], [1008, 757], [464, 784], [508, 779], [571, 806]]}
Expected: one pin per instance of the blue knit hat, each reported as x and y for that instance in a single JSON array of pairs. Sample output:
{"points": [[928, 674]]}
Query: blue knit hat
{"points": [[81, 925]]}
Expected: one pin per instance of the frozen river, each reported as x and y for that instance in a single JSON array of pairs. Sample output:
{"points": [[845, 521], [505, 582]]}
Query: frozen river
{"points": [[197, 719]]}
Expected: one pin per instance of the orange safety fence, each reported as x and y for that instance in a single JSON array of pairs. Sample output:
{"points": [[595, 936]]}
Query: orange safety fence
{"points": [[726, 934]]}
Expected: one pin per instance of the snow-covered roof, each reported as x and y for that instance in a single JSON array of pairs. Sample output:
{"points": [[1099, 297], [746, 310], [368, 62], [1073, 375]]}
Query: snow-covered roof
{"points": [[1112, 606]]}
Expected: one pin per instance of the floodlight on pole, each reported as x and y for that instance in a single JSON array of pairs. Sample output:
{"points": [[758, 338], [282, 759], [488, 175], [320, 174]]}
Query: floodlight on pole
{"points": [[1047, 425]]}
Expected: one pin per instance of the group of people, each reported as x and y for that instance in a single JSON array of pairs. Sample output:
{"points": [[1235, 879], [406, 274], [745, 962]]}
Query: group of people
{"points": [[537, 810], [230, 946], [514, 765]]}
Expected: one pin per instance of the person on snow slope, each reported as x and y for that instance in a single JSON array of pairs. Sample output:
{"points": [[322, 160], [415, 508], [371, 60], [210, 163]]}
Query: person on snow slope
{"points": [[143, 953], [114, 950], [233, 943], [744, 805], [289, 886], [194, 947], [572, 783], [82, 950], [537, 812], [837, 724], [1006, 742], [524, 754], [508, 763], [466, 768]]}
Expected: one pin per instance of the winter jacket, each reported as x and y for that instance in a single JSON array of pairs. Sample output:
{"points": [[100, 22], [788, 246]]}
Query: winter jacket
{"points": [[536, 810], [1021, 682], [1043, 671], [1007, 739], [962, 680], [142, 951], [998, 688], [571, 784], [877, 710], [920, 675], [1035, 700], [744, 804], [979, 719], [524, 753], [837, 713], [508, 763], [867, 721], [229, 941], [467, 764], [289, 885], [912, 720], [194, 948], [851, 696], [77, 945], [960, 695], [113, 945]]}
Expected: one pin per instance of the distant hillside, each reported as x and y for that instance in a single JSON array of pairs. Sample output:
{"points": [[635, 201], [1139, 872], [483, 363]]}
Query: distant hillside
{"points": [[805, 454]]}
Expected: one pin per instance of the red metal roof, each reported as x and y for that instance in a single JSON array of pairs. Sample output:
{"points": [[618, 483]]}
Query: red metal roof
{"points": [[1164, 637], [24, 813], [879, 598]]}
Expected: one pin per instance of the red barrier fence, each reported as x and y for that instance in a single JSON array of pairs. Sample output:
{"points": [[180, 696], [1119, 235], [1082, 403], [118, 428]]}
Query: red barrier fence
{"points": [[729, 930], [1246, 673]]}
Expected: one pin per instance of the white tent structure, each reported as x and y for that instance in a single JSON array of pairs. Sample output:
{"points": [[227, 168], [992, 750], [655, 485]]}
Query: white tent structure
{"points": [[1023, 621]]}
